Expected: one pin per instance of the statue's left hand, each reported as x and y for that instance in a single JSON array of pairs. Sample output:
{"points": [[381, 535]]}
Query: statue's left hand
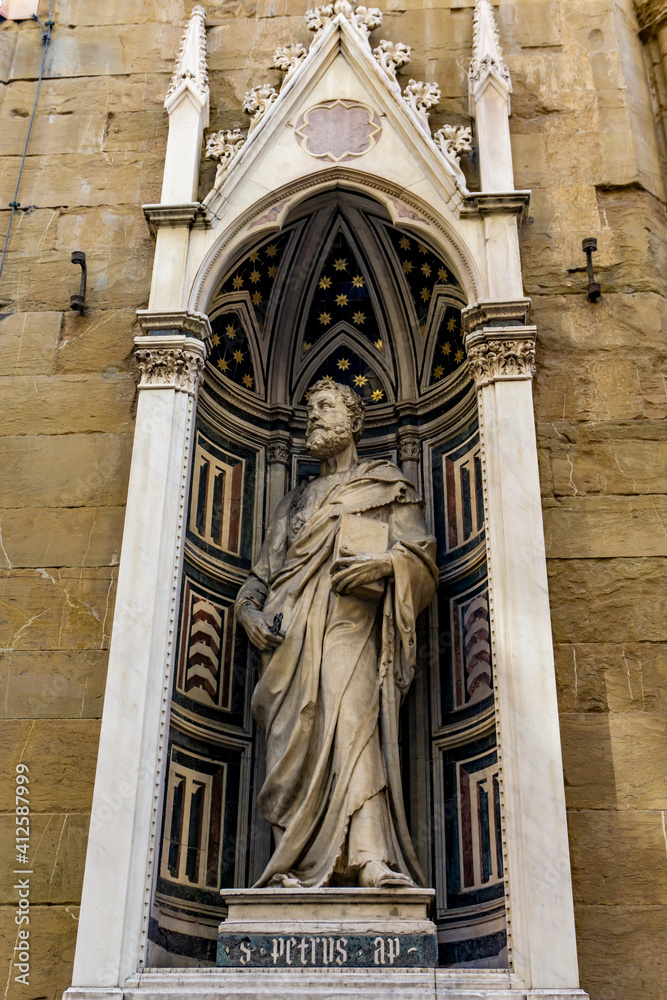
{"points": [[349, 572]]}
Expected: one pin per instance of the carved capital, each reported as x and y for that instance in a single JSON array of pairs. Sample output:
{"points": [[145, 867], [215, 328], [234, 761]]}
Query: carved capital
{"points": [[496, 313], [279, 451], [409, 448], [497, 354], [175, 322], [170, 363]]}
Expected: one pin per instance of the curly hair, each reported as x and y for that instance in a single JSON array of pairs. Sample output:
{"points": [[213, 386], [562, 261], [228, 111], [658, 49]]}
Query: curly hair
{"points": [[352, 400]]}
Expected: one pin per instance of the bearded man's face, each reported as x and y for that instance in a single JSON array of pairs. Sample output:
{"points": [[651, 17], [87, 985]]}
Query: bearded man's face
{"points": [[329, 428]]}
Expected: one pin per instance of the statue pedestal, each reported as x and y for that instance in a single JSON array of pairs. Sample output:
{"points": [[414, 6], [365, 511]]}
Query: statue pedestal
{"points": [[327, 928]]}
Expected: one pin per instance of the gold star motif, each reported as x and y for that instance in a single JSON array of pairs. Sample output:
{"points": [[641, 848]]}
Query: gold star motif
{"points": [[422, 329], [360, 379], [238, 282], [358, 318], [215, 339], [272, 250], [230, 330], [442, 274], [254, 256], [426, 294], [255, 276], [425, 269], [459, 356], [447, 348], [408, 266], [405, 243], [451, 324], [325, 318], [422, 248], [306, 346], [238, 356], [329, 377], [325, 282], [377, 395], [344, 364], [256, 298], [272, 271], [378, 344], [358, 282], [247, 381], [438, 372], [340, 264], [341, 300], [223, 365]]}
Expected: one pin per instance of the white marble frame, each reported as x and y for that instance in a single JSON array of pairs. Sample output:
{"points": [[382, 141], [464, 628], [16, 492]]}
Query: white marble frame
{"points": [[480, 237]]}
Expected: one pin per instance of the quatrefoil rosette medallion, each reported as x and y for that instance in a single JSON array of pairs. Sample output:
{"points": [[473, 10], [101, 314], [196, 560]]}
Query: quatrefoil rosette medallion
{"points": [[338, 130]]}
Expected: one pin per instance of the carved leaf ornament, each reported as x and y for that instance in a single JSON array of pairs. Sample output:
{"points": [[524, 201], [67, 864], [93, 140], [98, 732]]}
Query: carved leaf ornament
{"points": [[492, 360]]}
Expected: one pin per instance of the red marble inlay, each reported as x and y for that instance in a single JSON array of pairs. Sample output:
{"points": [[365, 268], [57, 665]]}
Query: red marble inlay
{"points": [[338, 130]]}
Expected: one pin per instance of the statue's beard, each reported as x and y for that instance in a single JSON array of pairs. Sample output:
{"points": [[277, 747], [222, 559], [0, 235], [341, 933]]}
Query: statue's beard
{"points": [[324, 442]]}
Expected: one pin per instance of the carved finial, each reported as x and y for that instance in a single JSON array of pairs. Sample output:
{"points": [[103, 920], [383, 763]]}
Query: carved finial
{"points": [[421, 97], [257, 102], [392, 56], [487, 55], [453, 140], [190, 73], [288, 57], [224, 147], [363, 19]]}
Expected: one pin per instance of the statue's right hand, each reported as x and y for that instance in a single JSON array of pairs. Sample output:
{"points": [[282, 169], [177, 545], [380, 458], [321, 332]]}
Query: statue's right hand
{"points": [[257, 628]]}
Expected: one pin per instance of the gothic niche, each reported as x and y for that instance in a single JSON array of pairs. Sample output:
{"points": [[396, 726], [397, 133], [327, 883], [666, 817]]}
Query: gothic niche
{"points": [[337, 292]]}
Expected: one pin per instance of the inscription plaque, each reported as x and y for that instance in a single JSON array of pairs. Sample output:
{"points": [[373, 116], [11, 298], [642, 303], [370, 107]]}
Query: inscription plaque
{"points": [[300, 951]]}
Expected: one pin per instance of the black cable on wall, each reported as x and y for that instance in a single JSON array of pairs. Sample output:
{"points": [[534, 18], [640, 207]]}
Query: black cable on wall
{"points": [[15, 204]]}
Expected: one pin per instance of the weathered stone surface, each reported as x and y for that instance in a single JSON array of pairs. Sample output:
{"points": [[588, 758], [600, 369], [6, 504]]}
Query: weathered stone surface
{"points": [[97, 179], [84, 470], [61, 756], [596, 527], [621, 951], [99, 341], [622, 600], [98, 51], [53, 133], [113, 227], [615, 761], [603, 677], [29, 343], [70, 536], [65, 404], [618, 855], [57, 852], [52, 684], [606, 458], [61, 609], [52, 940]]}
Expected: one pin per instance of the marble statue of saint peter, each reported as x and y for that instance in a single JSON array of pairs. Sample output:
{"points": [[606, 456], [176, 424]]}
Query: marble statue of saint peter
{"points": [[333, 677]]}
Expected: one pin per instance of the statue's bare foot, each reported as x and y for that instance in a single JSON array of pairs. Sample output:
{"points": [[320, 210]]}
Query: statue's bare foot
{"points": [[286, 881], [378, 875]]}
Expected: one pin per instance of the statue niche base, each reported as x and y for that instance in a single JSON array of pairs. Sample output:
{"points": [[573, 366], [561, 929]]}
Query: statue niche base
{"points": [[327, 929]]}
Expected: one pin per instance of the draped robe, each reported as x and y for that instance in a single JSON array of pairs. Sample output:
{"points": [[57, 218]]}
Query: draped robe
{"points": [[328, 697]]}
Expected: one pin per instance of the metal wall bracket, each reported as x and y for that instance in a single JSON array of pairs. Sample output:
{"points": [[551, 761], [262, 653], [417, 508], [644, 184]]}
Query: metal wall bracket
{"points": [[78, 302], [589, 246]]}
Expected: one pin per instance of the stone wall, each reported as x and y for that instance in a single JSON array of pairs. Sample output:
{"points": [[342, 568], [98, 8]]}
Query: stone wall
{"points": [[584, 141]]}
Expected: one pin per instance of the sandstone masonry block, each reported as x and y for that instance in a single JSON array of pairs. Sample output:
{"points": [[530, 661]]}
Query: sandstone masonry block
{"points": [[58, 842], [52, 685], [29, 342], [56, 536], [65, 404], [609, 677]]}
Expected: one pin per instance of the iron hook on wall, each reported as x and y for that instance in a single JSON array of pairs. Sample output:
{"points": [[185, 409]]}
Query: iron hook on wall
{"points": [[589, 246], [78, 302]]}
